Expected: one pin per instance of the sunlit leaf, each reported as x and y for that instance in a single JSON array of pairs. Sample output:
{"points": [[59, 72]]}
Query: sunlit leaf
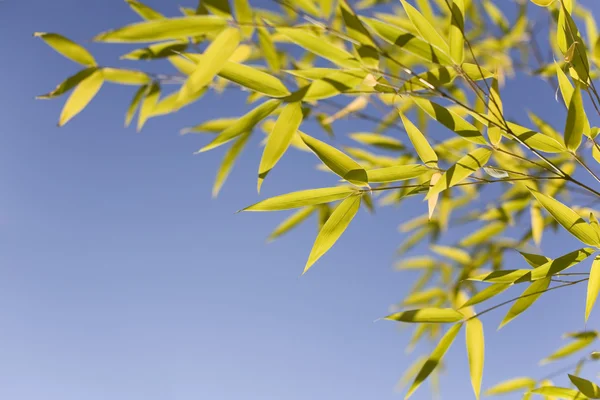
{"points": [[67, 48], [555, 391], [68, 83], [420, 143], [575, 121], [425, 29], [291, 222], [148, 104], [228, 161], [428, 315], [529, 296], [593, 287], [475, 352], [143, 10], [397, 173], [590, 389], [487, 294], [453, 253], [570, 349], [83, 93], [268, 49], [457, 27], [303, 198], [135, 102], [463, 168], [125, 76], [511, 385], [335, 226]]}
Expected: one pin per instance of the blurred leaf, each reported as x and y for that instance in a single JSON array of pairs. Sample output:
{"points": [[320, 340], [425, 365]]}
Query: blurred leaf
{"points": [[586, 387], [475, 352], [511, 385], [228, 161], [125, 76], [395, 174]]}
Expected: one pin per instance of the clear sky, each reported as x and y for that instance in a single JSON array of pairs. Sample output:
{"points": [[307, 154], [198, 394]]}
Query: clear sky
{"points": [[122, 279]]}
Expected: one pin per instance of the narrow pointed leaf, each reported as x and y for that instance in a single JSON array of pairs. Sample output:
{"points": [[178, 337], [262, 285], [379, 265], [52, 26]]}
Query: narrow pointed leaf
{"points": [[555, 391], [575, 121], [144, 11], [291, 222], [397, 173], [590, 389], [125, 76], [135, 102], [67, 48], [68, 83], [148, 104], [337, 161], [529, 296], [303, 198], [487, 293], [569, 349], [268, 49], [420, 143], [463, 168], [427, 315], [593, 287], [425, 29], [511, 385], [228, 161], [457, 27], [475, 352], [83, 93], [243, 14], [453, 253], [335, 226]]}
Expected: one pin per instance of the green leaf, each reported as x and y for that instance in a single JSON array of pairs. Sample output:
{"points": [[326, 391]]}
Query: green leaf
{"points": [[457, 27], [254, 79], [148, 104], [483, 234], [529, 296], [164, 29], [593, 287], [68, 83], [427, 315], [575, 121], [243, 15], [280, 138], [213, 60], [487, 293], [125, 76], [590, 389], [425, 29], [475, 352], [155, 51], [537, 224], [568, 218], [337, 161], [434, 359], [67, 48], [535, 260], [144, 11], [366, 47], [543, 3], [291, 222], [569, 349], [440, 76], [377, 140], [406, 41], [395, 174], [460, 171], [135, 102], [335, 226], [317, 45], [83, 93], [453, 253], [554, 391], [228, 161], [214, 125], [303, 198], [268, 49], [511, 385], [339, 82], [536, 140], [170, 104], [420, 143], [495, 114], [451, 120], [243, 124]]}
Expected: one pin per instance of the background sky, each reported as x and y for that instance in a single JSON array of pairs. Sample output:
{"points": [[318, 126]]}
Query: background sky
{"points": [[122, 279]]}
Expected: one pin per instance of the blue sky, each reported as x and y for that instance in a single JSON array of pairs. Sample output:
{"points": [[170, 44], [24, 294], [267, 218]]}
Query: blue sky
{"points": [[122, 279]]}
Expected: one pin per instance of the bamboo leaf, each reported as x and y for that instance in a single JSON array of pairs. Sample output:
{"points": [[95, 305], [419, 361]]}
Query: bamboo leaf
{"points": [[125, 76], [590, 389], [425, 29], [395, 174], [554, 391], [135, 102], [291, 222], [568, 218], [569, 349], [243, 124], [228, 161], [303, 198], [483, 234], [243, 15], [268, 49], [148, 104], [164, 29], [593, 287], [463, 168], [280, 138], [83, 93], [337, 161], [377, 140], [254, 79], [427, 315], [495, 114], [155, 51], [213, 60], [475, 352], [575, 121], [435, 358], [335, 226], [529, 296], [487, 294], [453, 253], [511, 385], [68, 83], [366, 48], [457, 27], [144, 11], [420, 143], [67, 48]]}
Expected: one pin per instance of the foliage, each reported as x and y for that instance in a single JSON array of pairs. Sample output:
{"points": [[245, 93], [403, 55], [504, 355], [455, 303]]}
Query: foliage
{"points": [[440, 60]]}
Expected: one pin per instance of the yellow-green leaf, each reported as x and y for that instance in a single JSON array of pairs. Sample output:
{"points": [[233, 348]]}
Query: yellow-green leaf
{"points": [[366, 47], [159, 50], [451, 120], [511, 385], [377, 140], [339, 82], [291, 222], [320, 47], [254, 79], [568, 218], [434, 359], [68, 83], [279, 140], [575, 121], [593, 287], [125, 76], [463, 168], [420, 143], [555, 391], [537, 224], [148, 104], [214, 125], [590, 389], [543, 3], [569, 349], [453, 253], [164, 29], [213, 60], [495, 114], [427, 315], [135, 102], [457, 27], [243, 124], [144, 11], [397, 173], [303, 198], [487, 293], [529, 296], [425, 29], [337, 161], [228, 161], [475, 352], [335, 226], [67, 48], [83, 93], [268, 49], [483, 234], [243, 15]]}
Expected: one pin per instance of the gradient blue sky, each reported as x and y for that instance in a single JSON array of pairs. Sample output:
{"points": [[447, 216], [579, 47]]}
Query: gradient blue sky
{"points": [[122, 279]]}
